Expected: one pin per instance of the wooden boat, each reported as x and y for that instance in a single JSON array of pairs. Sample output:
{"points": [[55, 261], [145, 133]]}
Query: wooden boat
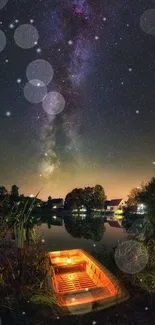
{"points": [[81, 284]]}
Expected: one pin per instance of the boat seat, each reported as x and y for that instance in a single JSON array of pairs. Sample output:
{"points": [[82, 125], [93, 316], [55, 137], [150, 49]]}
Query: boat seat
{"points": [[76, 267]]}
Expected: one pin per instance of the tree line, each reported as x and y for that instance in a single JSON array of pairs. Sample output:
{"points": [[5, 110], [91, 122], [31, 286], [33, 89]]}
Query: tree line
{"points": [[10, 198], [89, 197], [14, 192]]}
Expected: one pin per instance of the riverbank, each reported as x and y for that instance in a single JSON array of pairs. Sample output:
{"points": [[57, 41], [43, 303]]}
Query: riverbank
{"points": [[138, 310]]}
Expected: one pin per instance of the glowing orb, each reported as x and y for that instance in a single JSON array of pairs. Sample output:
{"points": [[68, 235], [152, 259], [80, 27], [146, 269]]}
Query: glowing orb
{"points": [[54, 103], [147, 21], [35, 91], [2, 41], [41, 70], [131, 256], [26, 36]]}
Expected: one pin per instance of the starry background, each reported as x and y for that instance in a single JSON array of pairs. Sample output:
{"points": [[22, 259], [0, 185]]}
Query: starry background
{"points": [[103, 63]]}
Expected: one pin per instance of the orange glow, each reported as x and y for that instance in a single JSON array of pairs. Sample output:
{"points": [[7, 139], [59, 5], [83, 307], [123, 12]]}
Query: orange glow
{"points": [[80, 279]]}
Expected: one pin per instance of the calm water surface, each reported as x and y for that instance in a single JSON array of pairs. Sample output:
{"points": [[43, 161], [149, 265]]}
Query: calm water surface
{"points": [[58, 238]]}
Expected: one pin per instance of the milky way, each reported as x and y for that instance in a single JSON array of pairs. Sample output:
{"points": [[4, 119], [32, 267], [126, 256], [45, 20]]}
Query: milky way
{"points": [[102, 57], [80, 41]]}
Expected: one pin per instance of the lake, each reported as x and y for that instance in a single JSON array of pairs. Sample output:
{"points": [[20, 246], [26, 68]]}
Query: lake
{"points": [[77, 233]]}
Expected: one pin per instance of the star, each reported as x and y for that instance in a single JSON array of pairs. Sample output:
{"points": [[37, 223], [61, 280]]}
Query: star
{"points": [[38, 50], [127, 25], [153, 162], [35, 43], [94, 322], [137, 112], [31, 21], [8, 113], [11, 26], [146, 308], [40, 175], [122, 82], [46, 154], [16, 21], [59, 50], [104, 18], [130, 69], [19, 80], [70, 42], [96, 37], [6, 60]]}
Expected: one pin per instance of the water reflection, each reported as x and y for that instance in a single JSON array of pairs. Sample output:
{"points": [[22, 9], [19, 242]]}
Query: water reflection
{"points": [[87, 228], [80, 231], [50, 221]]}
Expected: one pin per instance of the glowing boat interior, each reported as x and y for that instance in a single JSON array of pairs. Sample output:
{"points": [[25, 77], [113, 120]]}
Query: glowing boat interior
{"points": [[77, 278]]}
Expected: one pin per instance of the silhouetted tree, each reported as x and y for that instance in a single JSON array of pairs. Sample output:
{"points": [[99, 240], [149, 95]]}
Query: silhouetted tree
{"points": [[133, 196], [14, 192], [74, 199], [90, 197], [99, 196], [3, 191]]}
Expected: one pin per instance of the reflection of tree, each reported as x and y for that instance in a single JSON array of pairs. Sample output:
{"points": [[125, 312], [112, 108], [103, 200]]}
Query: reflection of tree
{"points": [[88, 228]]}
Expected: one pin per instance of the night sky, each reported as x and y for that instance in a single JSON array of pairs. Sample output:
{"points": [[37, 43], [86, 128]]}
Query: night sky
{"points": [[77, 95]]}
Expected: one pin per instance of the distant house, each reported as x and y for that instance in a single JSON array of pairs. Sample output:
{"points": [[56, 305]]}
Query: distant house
{"points": [[116, 206], [54, 204]]}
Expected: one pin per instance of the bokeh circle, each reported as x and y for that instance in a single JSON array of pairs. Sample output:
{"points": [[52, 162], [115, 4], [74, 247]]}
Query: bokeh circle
{"points": [[3, 3], [131, 256], [40, 69], [54, 103], [2, 41], [26, 36], [147, 21], [33, 93]]}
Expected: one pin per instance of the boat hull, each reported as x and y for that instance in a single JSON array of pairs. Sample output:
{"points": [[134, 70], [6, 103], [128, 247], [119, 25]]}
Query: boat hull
{"points": [[81, 284]]}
